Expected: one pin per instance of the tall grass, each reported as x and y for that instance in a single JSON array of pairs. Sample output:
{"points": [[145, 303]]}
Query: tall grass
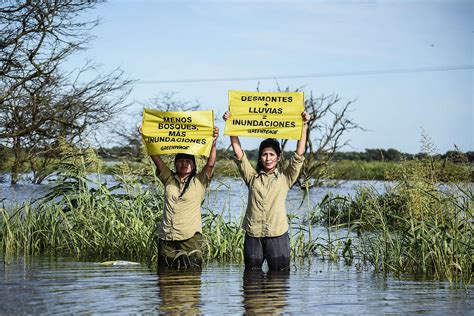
{"points": [[83, 216], [89, 227], [422, 223], [419, 227], [224, 239]]}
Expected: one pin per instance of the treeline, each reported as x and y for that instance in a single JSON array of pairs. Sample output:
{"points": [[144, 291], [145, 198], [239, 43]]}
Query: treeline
{"points": [[384, 155], [367, 155], [395, 155]]}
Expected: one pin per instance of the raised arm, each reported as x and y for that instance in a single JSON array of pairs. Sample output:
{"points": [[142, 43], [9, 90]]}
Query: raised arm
{"points": [[156, 158], [301, 144], [234, 140], [211, 161], [158, 163]]}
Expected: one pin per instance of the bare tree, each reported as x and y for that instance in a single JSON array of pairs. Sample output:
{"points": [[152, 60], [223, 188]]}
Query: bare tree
{"points": [[329, 122], [41, 103], [127, 135], [168, 101]]}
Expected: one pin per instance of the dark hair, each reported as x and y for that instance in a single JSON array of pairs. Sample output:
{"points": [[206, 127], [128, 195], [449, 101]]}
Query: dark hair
{"points": [[185, 156], [267, 143], [193, 172]]}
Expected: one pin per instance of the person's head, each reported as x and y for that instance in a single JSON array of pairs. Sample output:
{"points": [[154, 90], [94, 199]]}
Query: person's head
{"points": [[185, 165], [268, 155]]}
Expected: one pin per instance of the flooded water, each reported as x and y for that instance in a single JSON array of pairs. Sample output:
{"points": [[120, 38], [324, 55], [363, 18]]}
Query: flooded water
{"points": [[226, 195], [41, 286]]}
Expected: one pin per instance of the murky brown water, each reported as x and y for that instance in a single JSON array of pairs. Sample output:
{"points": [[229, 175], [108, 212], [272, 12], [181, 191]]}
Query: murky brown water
{"points": [[41, 286]]}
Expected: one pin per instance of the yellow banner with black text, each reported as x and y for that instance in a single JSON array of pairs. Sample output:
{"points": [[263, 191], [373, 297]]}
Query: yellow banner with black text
{"points": [[265, 114], [178, 132]]}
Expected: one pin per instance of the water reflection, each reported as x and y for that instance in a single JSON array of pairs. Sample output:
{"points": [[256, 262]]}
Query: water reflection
{"points": [[265, 293], [179, 291], [45, 287]]}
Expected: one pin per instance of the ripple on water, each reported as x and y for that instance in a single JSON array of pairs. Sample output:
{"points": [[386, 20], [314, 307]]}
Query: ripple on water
{"points": [[42, 286]]}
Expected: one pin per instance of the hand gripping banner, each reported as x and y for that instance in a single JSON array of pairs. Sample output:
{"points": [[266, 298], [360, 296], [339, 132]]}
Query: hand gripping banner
{"points": [[178, 132], [265, 114]]}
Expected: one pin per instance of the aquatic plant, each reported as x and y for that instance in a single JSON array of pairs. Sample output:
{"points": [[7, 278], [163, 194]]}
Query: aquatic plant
{"points": [[223, 239], [422, 223], [82, 215], [428, 230], [419, 224]]}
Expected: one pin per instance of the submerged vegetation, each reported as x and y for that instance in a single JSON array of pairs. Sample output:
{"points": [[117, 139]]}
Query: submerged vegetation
{"points": [[421, 224], [84, 217]]}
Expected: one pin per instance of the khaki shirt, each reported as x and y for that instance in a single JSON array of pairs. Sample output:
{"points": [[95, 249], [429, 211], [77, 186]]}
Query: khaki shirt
{"points": [[266, 209], [182, 215]]}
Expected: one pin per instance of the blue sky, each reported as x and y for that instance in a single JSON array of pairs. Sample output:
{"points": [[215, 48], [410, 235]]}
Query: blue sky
{"points": [[162, 41]]}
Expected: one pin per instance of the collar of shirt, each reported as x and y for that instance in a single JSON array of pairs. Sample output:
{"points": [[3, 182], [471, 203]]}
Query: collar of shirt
{"points": [[175, 175], [276, 172]]}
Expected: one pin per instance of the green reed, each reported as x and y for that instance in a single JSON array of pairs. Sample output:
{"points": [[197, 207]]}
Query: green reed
{"points": [[94, 223], [223, 239], [414, 226], [431, 236], [421, 224], [83, 216], [329, 242]]}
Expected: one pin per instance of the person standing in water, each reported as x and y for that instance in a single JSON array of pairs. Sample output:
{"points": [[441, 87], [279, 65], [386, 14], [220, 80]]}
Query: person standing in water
{"points": [[265, 222], [180, 231]]}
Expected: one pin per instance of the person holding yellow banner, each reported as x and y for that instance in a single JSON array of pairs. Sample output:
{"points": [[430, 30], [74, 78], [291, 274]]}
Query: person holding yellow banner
{"points": [[265, 222], [180, 231]]}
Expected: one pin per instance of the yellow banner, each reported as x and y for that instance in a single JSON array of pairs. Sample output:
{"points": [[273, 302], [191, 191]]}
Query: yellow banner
{"points": [[265, 114], [178, 132]]}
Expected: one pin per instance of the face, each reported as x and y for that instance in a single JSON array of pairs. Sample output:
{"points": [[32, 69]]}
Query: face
{"points": [[184, 167], [269, 159]]}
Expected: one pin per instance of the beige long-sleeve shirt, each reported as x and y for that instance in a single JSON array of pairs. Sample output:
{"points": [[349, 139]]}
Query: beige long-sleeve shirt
{"points": [[182, 215], [266, 210]]}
